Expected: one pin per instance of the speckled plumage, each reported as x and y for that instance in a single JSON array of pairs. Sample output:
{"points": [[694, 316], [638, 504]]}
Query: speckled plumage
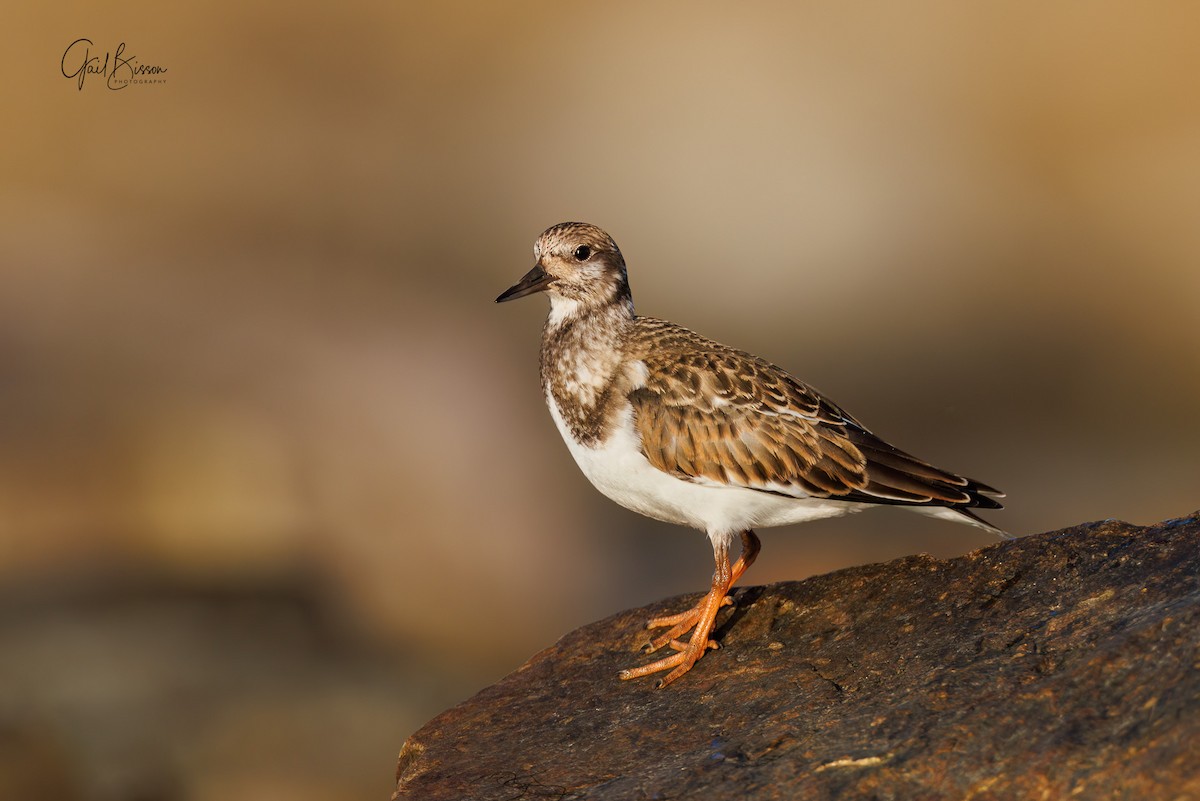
{"points": [[710, 412], [687, 430]]}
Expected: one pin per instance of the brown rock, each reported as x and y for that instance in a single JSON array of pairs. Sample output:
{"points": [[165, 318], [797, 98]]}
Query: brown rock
{"points": [[1064, 664]]}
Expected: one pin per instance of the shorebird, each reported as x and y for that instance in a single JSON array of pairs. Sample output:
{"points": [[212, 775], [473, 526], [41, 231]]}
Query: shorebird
{"points": [[686, 430]]}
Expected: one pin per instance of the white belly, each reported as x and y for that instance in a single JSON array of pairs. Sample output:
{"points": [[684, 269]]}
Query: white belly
{"points": [[619, 470]]}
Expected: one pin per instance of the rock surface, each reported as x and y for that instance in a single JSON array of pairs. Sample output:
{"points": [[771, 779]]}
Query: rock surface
{"points": [[1064, 664]]}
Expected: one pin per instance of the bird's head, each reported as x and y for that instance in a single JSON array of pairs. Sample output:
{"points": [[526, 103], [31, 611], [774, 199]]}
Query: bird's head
{"points": [[579, 266]]}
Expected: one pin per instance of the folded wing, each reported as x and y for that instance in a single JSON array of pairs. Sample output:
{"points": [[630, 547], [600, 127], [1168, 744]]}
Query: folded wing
{"points": [[712, 414]]}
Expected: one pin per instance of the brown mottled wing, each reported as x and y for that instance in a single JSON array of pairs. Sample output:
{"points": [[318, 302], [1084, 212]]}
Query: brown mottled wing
{"points": [[709, 413]]}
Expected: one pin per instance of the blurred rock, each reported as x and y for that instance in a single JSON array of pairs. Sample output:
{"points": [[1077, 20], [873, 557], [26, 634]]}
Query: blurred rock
{"points": [[1061, 664]]}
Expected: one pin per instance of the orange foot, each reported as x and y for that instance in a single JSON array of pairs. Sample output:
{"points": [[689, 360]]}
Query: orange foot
{"points": [[700, 618], [680, 624]]}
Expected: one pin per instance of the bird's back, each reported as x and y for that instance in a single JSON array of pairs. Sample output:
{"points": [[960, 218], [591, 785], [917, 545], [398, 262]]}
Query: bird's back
{"points": [[714, 414]]}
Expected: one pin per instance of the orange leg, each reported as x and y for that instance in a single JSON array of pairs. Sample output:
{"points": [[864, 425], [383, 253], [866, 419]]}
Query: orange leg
{"points": [[700, 618], [684, 621]]}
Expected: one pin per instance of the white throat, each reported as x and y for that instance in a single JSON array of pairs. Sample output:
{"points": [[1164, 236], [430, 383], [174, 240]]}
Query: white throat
{"points": [[561, 310]]}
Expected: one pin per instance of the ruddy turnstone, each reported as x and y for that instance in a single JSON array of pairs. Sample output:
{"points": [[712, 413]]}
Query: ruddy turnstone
{"points": [[683, 429]]}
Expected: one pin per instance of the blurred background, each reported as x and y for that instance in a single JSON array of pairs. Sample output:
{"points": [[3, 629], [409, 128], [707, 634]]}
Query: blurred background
{"points": [[277, 483]]}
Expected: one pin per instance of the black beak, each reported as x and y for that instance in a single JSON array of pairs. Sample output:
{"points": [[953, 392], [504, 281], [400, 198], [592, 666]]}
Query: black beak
{"points": [[535, 280]]}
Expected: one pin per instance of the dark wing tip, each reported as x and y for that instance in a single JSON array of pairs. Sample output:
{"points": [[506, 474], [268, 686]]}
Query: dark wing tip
{"points": [[898, 477]]}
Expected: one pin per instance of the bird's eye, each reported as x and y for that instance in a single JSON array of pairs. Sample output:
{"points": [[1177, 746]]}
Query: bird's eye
{"points": [[583, 253]]}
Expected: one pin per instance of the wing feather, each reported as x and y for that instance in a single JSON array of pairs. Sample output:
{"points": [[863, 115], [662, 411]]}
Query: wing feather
{"points": [[711, 413]]}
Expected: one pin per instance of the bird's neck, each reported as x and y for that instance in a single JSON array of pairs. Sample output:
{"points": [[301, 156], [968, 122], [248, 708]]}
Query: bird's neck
{"points": [[582, 353]]}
